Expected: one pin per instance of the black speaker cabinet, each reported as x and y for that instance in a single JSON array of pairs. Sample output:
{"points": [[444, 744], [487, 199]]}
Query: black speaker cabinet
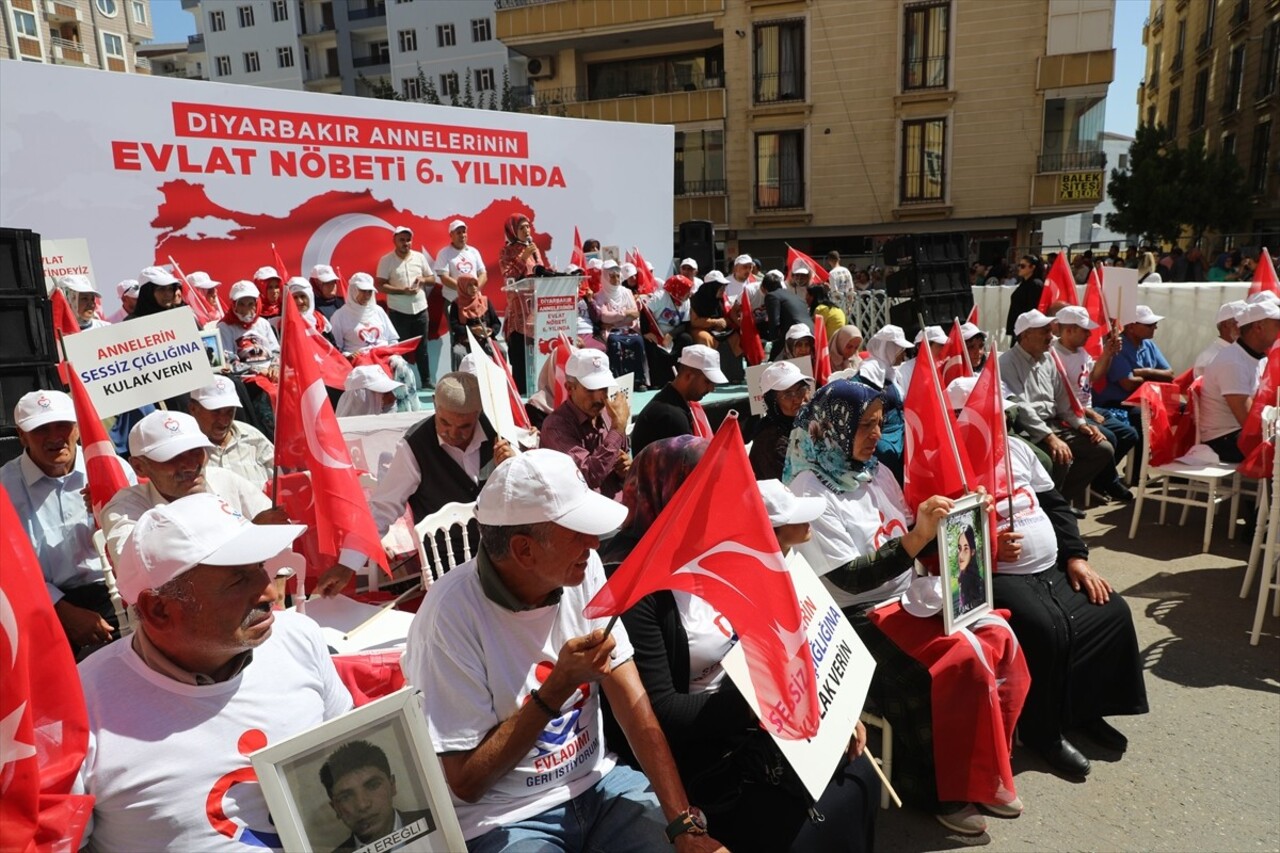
{"points": [[21, 270], [26, 329], [697, 240]]}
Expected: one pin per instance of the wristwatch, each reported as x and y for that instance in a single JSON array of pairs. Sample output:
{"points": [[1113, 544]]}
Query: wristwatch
{"points": [[691, 820]]}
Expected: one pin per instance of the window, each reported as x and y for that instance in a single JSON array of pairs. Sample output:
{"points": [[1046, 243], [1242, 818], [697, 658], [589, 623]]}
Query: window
{"points": [[449, 84], [251, 64], [699, 162], [1171, 117], [1229, 145], [1180, 45], [779, 62], [1151, 115], [1206, 38], [445, 35], [217, 21], [140, 12], [780, 170], [108, 8], [284, 57], [680, 72], [222, 66], [411, 88], [925, 31], [279, 10], [246, 15], [1235, 81], [1198, 100], [1269, 72], [1122, 162], [112, 45], [481, 29], [408, 41], [923, 176], [25, 22], [1261, 156], [1157, 56], [1072, 136], [484, 79], [380, 51]]}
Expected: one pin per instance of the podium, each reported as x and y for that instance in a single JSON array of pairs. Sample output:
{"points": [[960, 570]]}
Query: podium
{"points": [[552, 302]]}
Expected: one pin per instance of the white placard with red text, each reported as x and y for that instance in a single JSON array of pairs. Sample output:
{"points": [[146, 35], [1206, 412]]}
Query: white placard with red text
{"points": [[68, 256], [555, 307]]}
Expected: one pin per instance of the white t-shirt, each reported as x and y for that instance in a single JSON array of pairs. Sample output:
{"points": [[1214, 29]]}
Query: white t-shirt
{"points": [[1079, 368], [352, 336], [1039, 542], [667, 312], [852, 525], [168, 762], [254, 345], [1234, 371], [1206, 357], [402, 273], [710, 639], [455, 262], [475, 663], [840, 280]]}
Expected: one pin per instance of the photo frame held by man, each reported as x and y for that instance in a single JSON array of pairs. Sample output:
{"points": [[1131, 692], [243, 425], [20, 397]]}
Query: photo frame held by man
{"points": [[212, 343], [368, 780], [964, 557]]}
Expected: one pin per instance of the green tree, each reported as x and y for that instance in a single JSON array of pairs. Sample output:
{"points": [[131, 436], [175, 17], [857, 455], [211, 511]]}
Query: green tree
{"points": [[468, 97], [453, 95], [1149, 199], [508, 96], [1212, 187], [430, 94]]}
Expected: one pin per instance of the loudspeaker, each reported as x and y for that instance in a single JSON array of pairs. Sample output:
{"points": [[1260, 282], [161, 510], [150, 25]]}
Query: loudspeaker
{"points": [[925, 249], [19, 379], [21, 269], [938, 310], [26, 330], [697, 240]]}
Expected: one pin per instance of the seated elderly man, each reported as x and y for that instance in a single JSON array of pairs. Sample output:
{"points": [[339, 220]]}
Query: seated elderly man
{"points": [[211, 674], [937, 341], [672, 411], [1138, 361], [511, 674], [1045, 416], [1231, 380], [591, 426], [445, 458], [236, 446], [170, 451], [1228, 332], [45, 484]]}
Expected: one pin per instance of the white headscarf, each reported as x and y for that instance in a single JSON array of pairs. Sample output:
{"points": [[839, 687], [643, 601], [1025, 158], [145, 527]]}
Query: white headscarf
{"points": [[298, 284], [614, 296], [367, 313], [879, 368]]}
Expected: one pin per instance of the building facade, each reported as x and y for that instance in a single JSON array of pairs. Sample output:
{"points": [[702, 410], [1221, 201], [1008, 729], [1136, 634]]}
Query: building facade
{"points": [[831, 124], [1084, 230], [91, 33], [1213, 75]]}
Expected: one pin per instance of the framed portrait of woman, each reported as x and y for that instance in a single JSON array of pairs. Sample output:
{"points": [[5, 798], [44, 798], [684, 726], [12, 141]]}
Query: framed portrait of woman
{"points": [[964, 558]]}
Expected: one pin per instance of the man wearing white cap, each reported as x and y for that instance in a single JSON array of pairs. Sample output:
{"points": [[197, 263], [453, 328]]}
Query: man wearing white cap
{"points": [[83, 298], [740, 280], [127, 290], [458, 259], [1077, 450], [937, 341], [208, 288], [169, 449], [324, 283], [591, 426], [1138, 361], [235, 445], [670, 412], [45, 484], [368, 390], [211, 673], [689, 269], [800, 276], [511, 674], [1228, 331], [405, 277], [1232, 379]]}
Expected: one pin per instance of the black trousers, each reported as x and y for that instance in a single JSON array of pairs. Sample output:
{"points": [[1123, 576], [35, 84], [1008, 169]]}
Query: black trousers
{"points": [[94, 597], [412, 326]]}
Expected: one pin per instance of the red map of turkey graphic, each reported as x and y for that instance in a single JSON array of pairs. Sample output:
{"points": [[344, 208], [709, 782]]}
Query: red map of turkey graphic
{"points": [[349, 231]]}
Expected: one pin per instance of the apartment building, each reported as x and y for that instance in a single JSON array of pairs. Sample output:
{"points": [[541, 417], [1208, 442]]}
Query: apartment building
{"points": [[827, 123], [351, 47], [1213, 74], [1090, 228], [91, 33]]}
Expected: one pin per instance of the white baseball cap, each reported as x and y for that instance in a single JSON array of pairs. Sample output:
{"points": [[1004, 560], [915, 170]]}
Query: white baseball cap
{"points": [[544, 485], [370, 377], [800, 268], [799, 332], [128, 287], [218, 394], [628, 270], [1259, 311], [162, 435], [402, 229], [38, 408], [591, 368], [924, 597], [264, 273], [323, 272], [1144, 315], [595, 264], [1263, 296], [1032, 319], [241, 289], [785, 507], [1075, 315], [200, 529], [361, 281], [610, 264], [1230, 310], [742, 259], [892, 334], [714, 277], [78, 284], [202, 280], [706, 359], [934, 334], [158, 276], [969, 330], [959, 389], [689, 262], [780, 376], [455, 225]]}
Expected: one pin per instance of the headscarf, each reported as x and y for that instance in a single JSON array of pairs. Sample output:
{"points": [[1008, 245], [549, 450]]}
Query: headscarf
{"points": [[298, 284], [656, 475], [879, 368], [270, 309], [471, 308], [358, 314], [822, 438], [836, 348], [512, 227], [614, 296], [231, 318], [147, 304]]}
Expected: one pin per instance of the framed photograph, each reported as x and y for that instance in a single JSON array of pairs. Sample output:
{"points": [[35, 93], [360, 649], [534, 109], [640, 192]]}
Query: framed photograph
{"points": [[964, 559], [366, 781], [212, 342]]}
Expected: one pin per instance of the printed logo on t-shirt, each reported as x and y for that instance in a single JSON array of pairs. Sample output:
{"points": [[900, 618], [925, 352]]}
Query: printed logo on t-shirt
{"points": [[215, 805], [566, 741], [887, 531], [368, 334], [1024, 505], [463, 265]]}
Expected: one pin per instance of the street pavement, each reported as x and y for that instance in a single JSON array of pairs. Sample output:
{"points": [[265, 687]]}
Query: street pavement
{"points": [[1202, 772]]}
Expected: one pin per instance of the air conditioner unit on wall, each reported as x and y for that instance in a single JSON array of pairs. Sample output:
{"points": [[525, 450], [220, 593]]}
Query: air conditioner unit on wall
{"points": [[541, 68]]}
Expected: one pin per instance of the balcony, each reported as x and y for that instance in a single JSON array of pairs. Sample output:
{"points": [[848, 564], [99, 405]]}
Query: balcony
{"points": [[195, 42], [1071, 161], [142, 64], [367, 17], [716, 186], [61, 13], [670, 102], [1153, 83], [65, 52], [586, 25], [499, 5], [370, 61], [1176, 65], [1157, 20]]}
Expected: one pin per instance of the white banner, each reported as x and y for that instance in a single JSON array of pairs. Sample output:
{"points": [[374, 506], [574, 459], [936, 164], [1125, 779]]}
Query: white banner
{"points": [[127, 365], [555, 306], [66, 257], [843, 667]]}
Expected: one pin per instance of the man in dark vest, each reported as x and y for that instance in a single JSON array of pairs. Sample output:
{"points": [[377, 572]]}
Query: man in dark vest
{"points": [[443, 459]]}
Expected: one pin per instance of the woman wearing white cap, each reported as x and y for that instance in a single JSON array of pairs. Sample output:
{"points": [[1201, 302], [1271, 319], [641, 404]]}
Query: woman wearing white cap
{"points": [[752, 799], [127, 290], [885, 351], [304, 297], [83, 297], [369, 391], [620, 323], [361, 323], [785, 390], [247, 337]]}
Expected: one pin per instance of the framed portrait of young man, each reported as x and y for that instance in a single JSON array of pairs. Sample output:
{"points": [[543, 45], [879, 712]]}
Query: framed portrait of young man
{"points": [[964, 560]]}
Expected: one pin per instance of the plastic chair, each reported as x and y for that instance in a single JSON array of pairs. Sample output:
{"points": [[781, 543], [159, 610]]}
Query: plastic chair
{"points": [[1266, 541], [443, 521], [886, 750], [124, 616]]}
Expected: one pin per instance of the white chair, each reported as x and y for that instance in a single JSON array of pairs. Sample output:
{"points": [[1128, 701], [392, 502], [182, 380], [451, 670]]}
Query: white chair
{"points": [[124, 617], [285, 565], [1265, 540], [1217, 479], [436, 560], [886, 750]]}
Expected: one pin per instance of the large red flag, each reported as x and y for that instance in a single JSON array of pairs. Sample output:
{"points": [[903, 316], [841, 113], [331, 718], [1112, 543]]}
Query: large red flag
{"points": [[308, 439], [973, 315], [381, 356], [821, 353], [644, 277], [1096, 304], [577, 257], [333, 365], [102, 467], [953, 362], [342, 283], [1059, 285], [752, 346], [1172, 431], [1264, 277], [44, 732], [714, 540], [194, 299], [1250, 440], [820, 274], [518, 412], [936, 464], [981, 429]]}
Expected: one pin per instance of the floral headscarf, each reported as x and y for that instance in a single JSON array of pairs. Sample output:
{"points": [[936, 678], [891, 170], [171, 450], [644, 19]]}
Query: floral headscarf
{"points": [[823, 436], [655, 476]]}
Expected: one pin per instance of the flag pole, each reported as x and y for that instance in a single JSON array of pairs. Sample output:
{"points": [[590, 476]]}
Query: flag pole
{"points": [[937, 389], [1008, 462], [275, 428]]}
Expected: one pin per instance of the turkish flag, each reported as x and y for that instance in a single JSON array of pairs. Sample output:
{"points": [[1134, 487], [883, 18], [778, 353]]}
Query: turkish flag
{"points": [[973, 315], [194, 298], [279, 262], [701, 423], [953, 363], [820, 275], [333, 365], [102, 467], [752, 346], [981, 430], [381, 356], [821, 353], [714, 540], [1264, 277], [560, 350], [64, 317], [577, 257], [1172, 431], [1076, 408], [342, 283], [932, 466], [1258, 452], [44, 728], [518, 413], [643, 276], [1059, 285], [1096, 304], [308, 439]]}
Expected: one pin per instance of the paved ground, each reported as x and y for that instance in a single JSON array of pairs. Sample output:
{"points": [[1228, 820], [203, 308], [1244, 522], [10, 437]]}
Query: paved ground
{"points": [[1203, 768]]}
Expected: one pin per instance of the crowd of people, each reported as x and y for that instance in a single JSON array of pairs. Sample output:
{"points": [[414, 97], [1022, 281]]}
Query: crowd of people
{"points": [[551, 731]]}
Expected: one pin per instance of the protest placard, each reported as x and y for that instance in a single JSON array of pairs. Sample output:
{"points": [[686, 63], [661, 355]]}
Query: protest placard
{"points": [[1120, 289], [68, 256]]}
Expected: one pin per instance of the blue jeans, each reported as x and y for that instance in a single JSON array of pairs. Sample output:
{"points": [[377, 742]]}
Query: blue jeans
{"points": [[1123, 437], [620, 814]]}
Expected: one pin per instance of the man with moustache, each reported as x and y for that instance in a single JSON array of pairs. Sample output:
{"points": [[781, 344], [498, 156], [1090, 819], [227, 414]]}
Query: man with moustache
{"points": [[362, 792], [670, 412], [211, 674], [591, 426], [235, 445], [46, 485]]}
